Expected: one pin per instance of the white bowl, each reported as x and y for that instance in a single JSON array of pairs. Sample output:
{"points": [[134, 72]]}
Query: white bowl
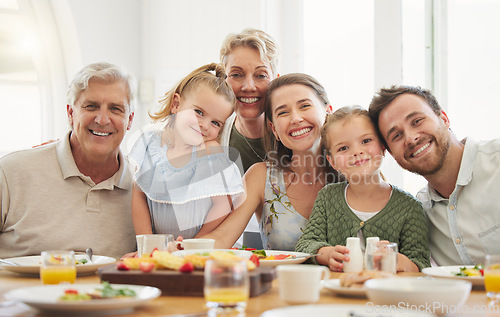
{"points": [[415, 293], [241, 253]]}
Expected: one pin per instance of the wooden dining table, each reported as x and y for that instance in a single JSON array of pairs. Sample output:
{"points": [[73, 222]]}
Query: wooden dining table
{"points": [[175, 305]]}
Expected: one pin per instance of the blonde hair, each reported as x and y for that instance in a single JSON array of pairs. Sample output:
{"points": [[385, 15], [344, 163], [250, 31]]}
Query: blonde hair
{"points": [[202, 75], [340, 114], [344, 113], [268, 48]]}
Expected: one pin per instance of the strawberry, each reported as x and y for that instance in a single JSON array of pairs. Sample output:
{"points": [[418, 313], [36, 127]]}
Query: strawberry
{"points": [[255, 259], [71, 291], [146, 266], [151, 254], [187, 267], [122, 266]]}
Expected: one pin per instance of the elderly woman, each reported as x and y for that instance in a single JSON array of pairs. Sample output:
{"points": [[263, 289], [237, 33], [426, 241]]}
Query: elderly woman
{"points": [[251, 61]]}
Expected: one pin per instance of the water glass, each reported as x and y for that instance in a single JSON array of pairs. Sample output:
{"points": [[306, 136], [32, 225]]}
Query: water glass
{"points": [[227, 285], [382, 256], [492, 277], [146, 243], [58, 267]]}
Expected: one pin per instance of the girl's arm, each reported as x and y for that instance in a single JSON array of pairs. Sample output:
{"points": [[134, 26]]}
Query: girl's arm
{"points": [[315, 236], [221, 207], [140, 212], [228, 232]]}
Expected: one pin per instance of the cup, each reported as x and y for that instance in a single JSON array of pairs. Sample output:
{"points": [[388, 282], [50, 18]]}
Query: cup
{"points": [[227, 285], [301, 283], [146, 243], [193, 244], [382, 256], [58, 267], [492, 277]]}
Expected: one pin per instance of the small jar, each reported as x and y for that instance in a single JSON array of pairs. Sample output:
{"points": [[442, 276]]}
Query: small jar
{"points": [[355, 263]]}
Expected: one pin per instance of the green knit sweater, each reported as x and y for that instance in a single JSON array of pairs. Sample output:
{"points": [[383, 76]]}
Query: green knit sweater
{"points": [[402, 220]]}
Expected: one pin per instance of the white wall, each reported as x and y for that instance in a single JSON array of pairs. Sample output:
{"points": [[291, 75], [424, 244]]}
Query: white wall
{"points": [[109, 31], [161, 41], [179, 36]]}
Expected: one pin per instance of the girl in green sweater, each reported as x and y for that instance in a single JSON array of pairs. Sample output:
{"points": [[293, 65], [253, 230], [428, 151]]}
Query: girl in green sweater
{"points": [[365, 205]]}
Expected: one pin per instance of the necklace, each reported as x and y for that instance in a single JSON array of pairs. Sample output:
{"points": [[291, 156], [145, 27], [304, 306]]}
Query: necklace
{"points": [[307, 178], [246, 141], [251, 148]]}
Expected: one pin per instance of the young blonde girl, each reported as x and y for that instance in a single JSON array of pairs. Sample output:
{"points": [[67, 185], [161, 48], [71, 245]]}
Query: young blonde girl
{"points": [[365, 204], [183, 180]]}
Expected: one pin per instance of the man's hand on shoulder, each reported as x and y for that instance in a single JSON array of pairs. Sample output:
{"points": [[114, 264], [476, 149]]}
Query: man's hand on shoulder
{"points": [[45, 143]]}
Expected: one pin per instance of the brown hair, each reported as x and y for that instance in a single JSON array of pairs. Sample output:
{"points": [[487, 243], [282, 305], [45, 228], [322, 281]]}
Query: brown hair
{"points": [[387, 95], [276, 151]]}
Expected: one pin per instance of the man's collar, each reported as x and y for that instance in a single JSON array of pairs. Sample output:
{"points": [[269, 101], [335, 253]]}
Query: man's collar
{"points": [[120, 179]]}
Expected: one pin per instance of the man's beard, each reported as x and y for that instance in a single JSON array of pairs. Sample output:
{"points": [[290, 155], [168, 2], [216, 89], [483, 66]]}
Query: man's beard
{"points": [[431, 167]]}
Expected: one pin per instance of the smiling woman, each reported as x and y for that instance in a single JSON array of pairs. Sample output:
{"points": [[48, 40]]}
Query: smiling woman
{"points": [[282, 190]]}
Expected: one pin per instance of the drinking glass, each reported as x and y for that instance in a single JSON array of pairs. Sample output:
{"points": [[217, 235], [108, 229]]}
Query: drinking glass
{"points": [[382, 256], [227, 286], [492, 277], [58, 267], [146, 243]]}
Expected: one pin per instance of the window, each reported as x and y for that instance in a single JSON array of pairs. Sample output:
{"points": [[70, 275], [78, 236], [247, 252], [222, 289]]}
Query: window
{"points": [[339, 49], [33, 66], [471, 74], [20, 94]]}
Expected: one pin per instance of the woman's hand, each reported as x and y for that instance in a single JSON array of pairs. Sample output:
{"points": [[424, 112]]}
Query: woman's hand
{"points": [[129, 255], [333, 257], [178, 243]]}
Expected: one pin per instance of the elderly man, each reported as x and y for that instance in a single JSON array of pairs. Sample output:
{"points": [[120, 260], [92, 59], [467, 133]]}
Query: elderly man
{"points": [[74, 193], [461, 199]]}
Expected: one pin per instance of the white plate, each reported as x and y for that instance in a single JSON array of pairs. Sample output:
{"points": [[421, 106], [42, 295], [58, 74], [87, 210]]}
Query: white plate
{"points": [[46, 297], [241, 253], [31, 264], [449, 272], [340, 311], [334, 286], [284, 261]]}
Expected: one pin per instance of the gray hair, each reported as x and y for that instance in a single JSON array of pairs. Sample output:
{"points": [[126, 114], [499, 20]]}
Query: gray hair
{"points": [[105, 72]]}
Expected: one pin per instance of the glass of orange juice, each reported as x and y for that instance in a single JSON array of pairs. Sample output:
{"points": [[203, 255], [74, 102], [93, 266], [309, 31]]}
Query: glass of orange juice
{"points": [[227, 286], [492, 277], [58, 267]]}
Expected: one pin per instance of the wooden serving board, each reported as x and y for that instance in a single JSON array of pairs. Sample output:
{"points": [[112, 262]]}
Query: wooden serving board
{"points": [[175, 283]]}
